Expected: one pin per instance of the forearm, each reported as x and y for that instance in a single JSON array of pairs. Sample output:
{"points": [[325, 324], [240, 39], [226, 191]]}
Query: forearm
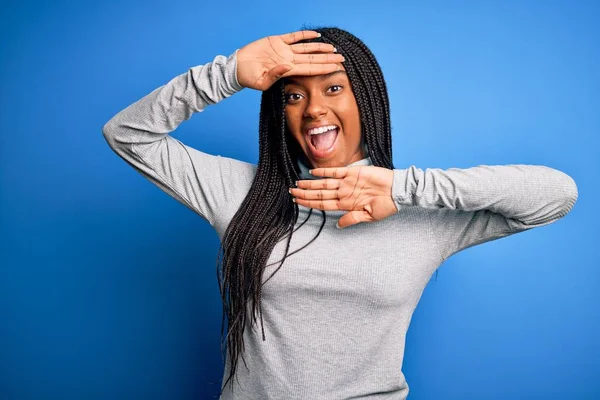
{"points": [[139, 134], [533, 195], [160, 112]]}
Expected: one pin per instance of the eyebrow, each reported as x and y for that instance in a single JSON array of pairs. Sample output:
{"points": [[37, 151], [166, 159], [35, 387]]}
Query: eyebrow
{"points": [[291, 80]]}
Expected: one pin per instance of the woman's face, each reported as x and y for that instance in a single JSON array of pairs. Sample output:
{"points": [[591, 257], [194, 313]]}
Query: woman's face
{"points": [[321, 101]]}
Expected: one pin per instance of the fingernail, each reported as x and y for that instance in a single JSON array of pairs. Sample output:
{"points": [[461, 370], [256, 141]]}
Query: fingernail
{"points": [[337, 225], [294, 199], [335, 50], [290, 190], [310, 171], [296, 183], [319, 35]]}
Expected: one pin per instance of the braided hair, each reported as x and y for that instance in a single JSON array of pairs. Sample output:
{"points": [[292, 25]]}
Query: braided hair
{"points": [[268, 215]]}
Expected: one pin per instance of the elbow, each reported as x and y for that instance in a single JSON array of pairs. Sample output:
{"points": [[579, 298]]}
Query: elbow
{"points": [[562, 193], [106, 130], [573, 193], [570, 194], [109, 134]]}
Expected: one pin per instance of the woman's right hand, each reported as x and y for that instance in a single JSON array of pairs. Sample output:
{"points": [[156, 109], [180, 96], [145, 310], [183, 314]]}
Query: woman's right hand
{"points": [[261, 63]]}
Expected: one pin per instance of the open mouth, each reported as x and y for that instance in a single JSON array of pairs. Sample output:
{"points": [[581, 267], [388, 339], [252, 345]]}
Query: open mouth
{"points": [[321, 145]]}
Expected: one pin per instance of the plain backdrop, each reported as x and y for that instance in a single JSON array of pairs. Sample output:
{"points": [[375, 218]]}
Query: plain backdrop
{"points": [[108, 286]]}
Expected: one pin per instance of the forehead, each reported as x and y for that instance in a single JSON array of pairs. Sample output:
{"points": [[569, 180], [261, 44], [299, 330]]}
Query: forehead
{"points": [[300, 79]]}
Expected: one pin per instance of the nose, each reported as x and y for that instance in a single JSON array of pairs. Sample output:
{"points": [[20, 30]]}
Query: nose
{"points": [[315, 108]]}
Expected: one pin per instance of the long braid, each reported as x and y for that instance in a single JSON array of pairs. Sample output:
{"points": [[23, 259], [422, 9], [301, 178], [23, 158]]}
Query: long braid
{"points": [[268, 215]]}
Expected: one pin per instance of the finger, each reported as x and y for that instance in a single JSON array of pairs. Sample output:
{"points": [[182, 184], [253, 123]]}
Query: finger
{"points": [[293, 37], [319, 184], [335, 172], [326, 205], [318, 58], [353, 218], [315, 47], [312, 69], [314, 194]]}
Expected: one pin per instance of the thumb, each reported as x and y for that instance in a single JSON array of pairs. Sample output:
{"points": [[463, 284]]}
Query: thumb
{"points": [[277, 71], [353, 218]]}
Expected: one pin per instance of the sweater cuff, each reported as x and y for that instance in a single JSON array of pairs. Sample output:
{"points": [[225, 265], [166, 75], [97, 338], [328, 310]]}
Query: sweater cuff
{"points": [[400, 194], [231, 72]]}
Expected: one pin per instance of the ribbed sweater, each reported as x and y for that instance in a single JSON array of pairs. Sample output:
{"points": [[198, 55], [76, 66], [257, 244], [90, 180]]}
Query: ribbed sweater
{"points": [[336, 314]]}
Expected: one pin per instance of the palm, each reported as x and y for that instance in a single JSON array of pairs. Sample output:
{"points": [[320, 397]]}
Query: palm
{"points": [[364, 191], [262, 62], [377, 199], [367, 189], [268, 53]]}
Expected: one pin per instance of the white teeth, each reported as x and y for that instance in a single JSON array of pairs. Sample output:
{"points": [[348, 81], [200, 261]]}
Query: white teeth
{"points": [[321, 129]]}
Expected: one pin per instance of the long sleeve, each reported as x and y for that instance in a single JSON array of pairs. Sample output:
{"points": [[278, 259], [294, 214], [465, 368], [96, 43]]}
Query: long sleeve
{"points": [[475, 205], [210, 185]]}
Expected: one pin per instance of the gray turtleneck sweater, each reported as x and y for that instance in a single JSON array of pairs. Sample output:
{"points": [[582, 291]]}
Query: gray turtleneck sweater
{"points": [[336, 314]]}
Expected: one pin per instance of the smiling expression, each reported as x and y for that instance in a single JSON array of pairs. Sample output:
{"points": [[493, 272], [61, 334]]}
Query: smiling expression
{"points": [[323, 100]]}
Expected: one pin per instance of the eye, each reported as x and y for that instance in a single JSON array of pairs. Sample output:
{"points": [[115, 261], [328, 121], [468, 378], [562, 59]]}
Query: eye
{"points": [[288, 98]]}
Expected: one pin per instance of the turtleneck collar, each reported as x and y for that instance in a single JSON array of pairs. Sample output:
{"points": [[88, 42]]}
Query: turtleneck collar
{"points": [[304, 174]]}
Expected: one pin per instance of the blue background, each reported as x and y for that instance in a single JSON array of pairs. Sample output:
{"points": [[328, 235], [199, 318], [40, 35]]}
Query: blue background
{"points": [[108, 287]]}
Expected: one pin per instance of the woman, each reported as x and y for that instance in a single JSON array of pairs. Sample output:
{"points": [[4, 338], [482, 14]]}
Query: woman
{"points": [[334, 315]]}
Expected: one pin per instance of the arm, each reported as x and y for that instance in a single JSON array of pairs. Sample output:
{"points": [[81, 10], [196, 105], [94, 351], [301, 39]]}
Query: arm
{"points": [[140, 135], [475, 205]]}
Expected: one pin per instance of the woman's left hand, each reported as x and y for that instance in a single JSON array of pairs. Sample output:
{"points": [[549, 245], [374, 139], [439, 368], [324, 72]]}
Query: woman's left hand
{"points": [[365, 191]]}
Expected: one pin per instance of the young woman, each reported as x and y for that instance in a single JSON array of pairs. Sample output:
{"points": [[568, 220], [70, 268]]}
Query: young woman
{"points": [[334, 304]]}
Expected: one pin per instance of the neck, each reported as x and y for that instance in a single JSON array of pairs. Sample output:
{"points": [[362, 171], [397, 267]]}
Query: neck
{"points": [[304, 174]]}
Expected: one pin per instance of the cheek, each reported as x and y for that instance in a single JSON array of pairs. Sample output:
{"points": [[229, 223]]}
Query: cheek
{"points": [[348, 110], [291, 120], [348, 106], [293, 125]]}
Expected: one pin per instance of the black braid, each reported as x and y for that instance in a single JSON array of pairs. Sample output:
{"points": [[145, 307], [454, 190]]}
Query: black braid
{"points": [[267, 215]]}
